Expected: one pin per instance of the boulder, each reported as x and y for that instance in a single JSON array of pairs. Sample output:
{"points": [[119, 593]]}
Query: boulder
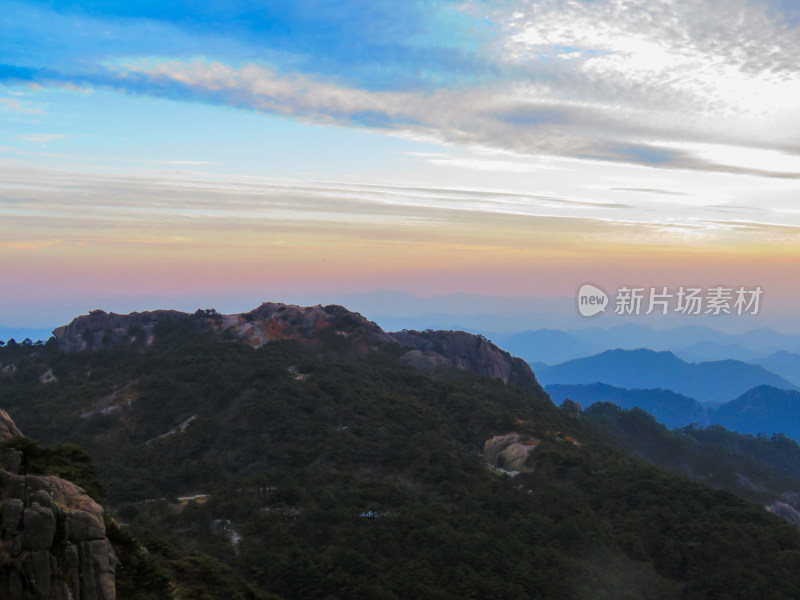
{"points": [[509, 452], [52, 540]]}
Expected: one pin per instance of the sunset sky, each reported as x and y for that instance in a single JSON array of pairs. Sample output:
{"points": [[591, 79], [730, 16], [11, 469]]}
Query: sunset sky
{"points": [[219, 153]]}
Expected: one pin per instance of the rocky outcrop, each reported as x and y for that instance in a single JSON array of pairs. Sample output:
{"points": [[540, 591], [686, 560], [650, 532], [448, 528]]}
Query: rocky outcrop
{"points": [[471, 352], [273, 321], [318, 325], [99, 328], [427, 362], [270, 321], [509, 452], [785, 511], [571, 408], [52, 538], [7, 427]]}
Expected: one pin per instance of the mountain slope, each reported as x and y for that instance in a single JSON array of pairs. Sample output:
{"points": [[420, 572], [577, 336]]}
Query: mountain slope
{"points": [[762, 469], [716, 381]]}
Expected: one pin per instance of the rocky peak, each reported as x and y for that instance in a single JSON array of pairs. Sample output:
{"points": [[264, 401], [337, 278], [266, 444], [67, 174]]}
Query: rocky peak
{"points": [[99, 328], [268, 322], [430, 350], [466, 351], [53, 544], [273, 320]]}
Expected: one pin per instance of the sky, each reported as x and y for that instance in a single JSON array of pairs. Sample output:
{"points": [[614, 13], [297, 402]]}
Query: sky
{"points": [[223, 153]]}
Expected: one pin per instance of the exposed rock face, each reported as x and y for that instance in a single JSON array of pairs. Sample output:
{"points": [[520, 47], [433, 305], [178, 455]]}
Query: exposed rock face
{"points": [[785, 511], [430, 350], [7, 427], [52, 539], [100, 327], [509, 452], [571, 408], [427, 362], [467, 351], [272, 321]]}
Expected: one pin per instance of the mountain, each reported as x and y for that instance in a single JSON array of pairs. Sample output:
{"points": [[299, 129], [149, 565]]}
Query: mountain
{"points": [[626, 336], [697, 340], [669, 408], [715, 381], [785, 364], [315, 325], [763, 409], [707, 350], [302, 450], [764, 469]]}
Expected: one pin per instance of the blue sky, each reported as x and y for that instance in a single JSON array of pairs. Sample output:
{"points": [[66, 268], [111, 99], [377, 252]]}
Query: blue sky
{"points": [[481, 135]]}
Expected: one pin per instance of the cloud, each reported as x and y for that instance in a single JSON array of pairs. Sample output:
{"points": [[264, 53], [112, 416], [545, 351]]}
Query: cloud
{"points": [[41, 138], [645, 82], [501, 117], [156, 203], [648, 191], [15, 105], [186, 162]]}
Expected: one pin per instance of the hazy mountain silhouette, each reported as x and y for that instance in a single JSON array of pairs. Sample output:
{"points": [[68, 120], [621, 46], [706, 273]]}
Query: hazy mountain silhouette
{"points": [[763, 409], [785, 364], [714, 381], [669, 408]]}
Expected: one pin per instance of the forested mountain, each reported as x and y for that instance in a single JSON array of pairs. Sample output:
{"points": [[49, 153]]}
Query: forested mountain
{"points": [[763, 468], [315, 456]]}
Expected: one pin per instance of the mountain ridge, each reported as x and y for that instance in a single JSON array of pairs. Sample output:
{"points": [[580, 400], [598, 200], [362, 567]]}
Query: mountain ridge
{"points": [[711, 381]]}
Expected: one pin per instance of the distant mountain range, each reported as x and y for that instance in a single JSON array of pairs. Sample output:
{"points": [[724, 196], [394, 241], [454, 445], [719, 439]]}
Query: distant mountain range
{"points": [[785, 364], [761, 410], [691, 343], [669, 408], [714, 381]]}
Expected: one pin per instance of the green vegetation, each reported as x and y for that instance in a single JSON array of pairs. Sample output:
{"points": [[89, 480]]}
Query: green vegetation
{"points": [[758, 468], [67, 461]]}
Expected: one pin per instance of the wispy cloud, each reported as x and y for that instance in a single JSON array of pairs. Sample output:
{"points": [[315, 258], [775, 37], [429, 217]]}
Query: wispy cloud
{"points": [[41, 138], [642, 81], [13, 104], [529, 121], [92, 204]]}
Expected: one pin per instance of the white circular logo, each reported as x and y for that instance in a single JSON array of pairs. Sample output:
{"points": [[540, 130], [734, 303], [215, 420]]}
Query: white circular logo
{"points": [[591, 300]]}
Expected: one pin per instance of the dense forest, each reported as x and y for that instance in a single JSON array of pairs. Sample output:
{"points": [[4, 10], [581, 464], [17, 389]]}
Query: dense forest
{"points": [[303, 470]]}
